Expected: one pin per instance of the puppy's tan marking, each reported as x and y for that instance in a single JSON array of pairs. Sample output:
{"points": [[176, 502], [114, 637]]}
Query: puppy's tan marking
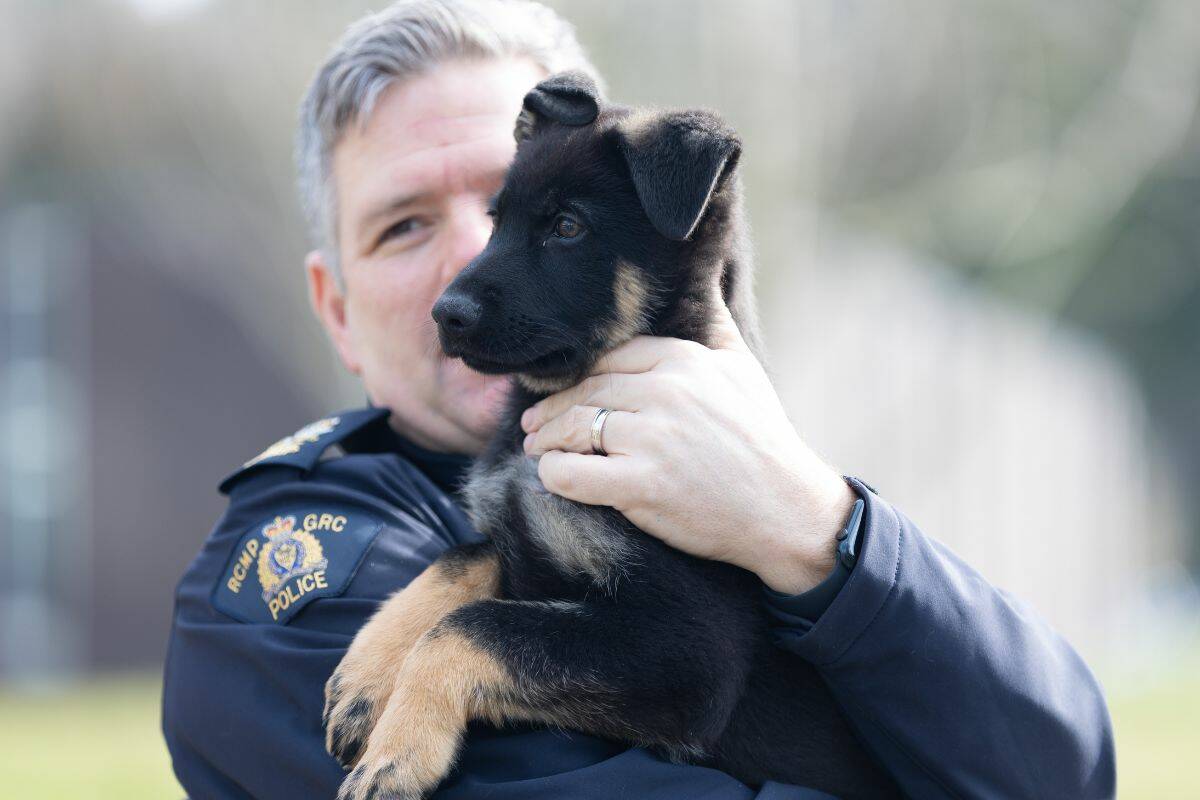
{"points": [[641, 124], [575, 537], [526, 122], [631, 293], [358, 691], [631, 298], [546, 385], [446, 680]]}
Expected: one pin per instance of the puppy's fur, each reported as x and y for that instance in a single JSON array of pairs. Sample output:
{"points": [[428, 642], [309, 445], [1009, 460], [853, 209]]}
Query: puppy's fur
{"points": [[612, 222]]}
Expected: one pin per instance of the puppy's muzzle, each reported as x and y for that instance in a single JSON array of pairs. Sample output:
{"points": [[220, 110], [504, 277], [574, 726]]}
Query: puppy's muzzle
{"points": [[458, 317]]}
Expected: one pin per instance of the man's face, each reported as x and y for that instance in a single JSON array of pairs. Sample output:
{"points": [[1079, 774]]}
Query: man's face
{"points": [[412, 190]]}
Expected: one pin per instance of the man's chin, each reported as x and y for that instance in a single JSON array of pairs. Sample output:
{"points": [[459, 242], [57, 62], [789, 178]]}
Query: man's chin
{"points": [[478, 396]]}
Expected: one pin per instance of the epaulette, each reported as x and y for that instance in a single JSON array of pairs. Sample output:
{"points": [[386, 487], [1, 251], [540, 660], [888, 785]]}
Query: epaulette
{"points": [[303, 449]]}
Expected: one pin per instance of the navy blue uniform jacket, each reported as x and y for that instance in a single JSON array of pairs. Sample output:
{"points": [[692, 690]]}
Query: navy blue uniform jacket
{"points": [[959, 689]]}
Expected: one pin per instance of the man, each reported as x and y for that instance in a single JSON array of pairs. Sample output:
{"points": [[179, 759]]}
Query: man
{"points": [[405, 133]]}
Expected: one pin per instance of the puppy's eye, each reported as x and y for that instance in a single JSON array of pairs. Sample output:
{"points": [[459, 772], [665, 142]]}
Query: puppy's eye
{"points": [[567, 227]]}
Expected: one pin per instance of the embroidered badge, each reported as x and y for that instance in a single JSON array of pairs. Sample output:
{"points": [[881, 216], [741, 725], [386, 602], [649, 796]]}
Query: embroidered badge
{"points": [[288, 554], [292, 444], [283, 564]]}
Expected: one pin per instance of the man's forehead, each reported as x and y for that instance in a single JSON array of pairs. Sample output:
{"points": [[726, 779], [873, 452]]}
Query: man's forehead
{"points": [[435, 153], [408, 116], [463, 88], [436, 128]]}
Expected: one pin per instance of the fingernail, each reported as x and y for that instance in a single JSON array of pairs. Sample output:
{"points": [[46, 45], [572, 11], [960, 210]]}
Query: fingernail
{"points": [[529, 443], [527, 419]]}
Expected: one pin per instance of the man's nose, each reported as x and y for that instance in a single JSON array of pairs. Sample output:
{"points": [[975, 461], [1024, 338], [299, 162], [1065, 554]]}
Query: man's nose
{"points": [[457, 315], [470, 230]]}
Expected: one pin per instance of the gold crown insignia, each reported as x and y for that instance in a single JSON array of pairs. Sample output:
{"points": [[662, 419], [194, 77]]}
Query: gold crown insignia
{"points": [[282, 526]]}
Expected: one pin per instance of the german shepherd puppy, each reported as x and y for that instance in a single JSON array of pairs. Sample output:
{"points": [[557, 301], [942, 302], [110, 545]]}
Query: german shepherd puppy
{"points": [[612, 222]]}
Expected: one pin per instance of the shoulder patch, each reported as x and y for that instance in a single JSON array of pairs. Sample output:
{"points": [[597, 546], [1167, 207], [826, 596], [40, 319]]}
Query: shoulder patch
{"points": [[284, 563], [303, 448]]}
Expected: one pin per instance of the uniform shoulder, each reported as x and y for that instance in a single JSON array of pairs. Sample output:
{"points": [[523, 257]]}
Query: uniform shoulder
{"points": [[303, 449], [298, 527]]}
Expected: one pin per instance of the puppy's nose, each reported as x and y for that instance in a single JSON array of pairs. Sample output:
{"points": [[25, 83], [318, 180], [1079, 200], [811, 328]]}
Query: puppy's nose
{"points": [[457, 314]]}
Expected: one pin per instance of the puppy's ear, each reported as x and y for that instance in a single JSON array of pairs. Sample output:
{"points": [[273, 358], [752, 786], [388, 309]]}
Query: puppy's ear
{"points": [[569, 98], [677, 159]]}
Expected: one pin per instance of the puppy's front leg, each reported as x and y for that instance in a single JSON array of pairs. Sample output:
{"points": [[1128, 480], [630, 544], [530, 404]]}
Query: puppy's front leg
{"points": [[574, 665], [359, 689], [441, 686]]}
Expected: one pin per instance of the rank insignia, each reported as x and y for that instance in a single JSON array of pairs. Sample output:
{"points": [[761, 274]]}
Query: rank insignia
{"points": [[306, 448], [292, 444], [282, 564]]}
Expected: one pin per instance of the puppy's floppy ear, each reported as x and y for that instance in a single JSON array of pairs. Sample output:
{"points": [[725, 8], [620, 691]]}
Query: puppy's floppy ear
{"points": [[677, 160], [569, 98]]}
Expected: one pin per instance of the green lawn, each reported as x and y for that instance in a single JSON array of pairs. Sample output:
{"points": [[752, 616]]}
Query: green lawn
{"points": [[100, 740], [95, 741], [1157, 724]]}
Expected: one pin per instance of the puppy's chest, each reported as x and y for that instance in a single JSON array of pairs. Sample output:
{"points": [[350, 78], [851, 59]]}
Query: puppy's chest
{"points": [[507, 502]]}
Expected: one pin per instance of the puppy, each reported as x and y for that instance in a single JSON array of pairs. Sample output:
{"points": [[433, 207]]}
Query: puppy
{"points": [[612, 222]]}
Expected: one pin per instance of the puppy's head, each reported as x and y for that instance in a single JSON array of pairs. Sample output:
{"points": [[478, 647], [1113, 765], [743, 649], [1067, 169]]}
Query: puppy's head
{"points": [[611, 222]]}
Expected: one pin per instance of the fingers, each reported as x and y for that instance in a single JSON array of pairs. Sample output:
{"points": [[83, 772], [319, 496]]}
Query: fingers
{"points": [[619, 392], [621, 380], [644, 353], [594, 480], [572, 432]]}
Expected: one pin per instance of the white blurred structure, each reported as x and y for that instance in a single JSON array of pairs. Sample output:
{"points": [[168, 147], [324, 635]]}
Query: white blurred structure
{"points": [[45, 524], [1020, 444]]}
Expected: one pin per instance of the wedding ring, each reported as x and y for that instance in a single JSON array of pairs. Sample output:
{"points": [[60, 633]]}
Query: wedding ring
{"points": [[598, 431]]}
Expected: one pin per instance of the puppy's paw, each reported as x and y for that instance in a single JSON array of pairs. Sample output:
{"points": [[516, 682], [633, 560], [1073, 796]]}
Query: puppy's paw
{"points": [[372, 781], [355, 697], [359, 689], [409, 752]]}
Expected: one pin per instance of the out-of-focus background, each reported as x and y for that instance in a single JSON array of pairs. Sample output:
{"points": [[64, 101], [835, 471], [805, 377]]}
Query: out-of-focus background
{"points": [[978, 229]]}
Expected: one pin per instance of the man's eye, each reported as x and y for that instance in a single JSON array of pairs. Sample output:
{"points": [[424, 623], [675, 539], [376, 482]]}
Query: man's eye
{"points": [[566, 227], [404, 226]]}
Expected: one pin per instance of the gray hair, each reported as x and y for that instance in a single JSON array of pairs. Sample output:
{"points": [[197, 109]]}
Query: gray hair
{"points": [[403, 41]]}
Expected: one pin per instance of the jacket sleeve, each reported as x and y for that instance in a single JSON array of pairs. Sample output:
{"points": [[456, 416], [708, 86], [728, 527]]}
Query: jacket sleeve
{"points": [[959, 689]]}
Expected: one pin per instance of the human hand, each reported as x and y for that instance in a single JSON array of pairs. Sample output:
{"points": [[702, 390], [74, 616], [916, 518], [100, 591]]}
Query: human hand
{"points": [[700, 455]]}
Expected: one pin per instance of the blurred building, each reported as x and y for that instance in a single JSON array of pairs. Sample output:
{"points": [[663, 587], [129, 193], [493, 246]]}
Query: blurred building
{"points": [[1022, 444], [978, 262]]}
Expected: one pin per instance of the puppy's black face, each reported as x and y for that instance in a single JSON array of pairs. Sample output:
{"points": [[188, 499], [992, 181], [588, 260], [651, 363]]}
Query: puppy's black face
{"points": [[580, 259], [556, 285]]}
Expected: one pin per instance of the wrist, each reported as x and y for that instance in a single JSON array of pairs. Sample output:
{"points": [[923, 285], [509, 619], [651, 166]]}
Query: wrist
{"points": [[803, 554]]}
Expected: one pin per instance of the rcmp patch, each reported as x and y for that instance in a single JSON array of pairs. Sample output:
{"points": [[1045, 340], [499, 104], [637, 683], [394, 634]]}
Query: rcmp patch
{"points": [[284, 563]]}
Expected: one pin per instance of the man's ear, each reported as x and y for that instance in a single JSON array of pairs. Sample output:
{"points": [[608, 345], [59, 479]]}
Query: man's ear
{"points": [[677, 159], [328, 301], [568, 98]]}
